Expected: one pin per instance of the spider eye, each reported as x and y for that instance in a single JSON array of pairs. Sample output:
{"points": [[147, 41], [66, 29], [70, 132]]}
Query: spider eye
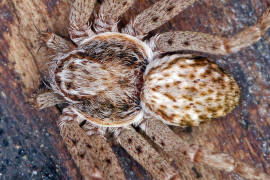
{"points": [[71, 67], [134, 59], [68, 85]]}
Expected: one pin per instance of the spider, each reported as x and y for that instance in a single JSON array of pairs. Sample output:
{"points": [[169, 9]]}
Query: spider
{"points": [[114, 80]]}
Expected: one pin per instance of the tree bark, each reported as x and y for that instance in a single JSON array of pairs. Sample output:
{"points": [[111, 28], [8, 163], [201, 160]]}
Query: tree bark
{"points": [[30, 144]]}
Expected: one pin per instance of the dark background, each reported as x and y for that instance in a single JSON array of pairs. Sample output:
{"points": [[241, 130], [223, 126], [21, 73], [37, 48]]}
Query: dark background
{"points": [[30, 144]]}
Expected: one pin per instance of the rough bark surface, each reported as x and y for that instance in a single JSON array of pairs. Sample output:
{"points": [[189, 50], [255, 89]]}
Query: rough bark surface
{"points": [[30, 144]]}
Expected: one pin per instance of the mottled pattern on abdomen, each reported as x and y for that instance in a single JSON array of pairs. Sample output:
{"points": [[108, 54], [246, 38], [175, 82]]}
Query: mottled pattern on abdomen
{"points": [[187, 92]]}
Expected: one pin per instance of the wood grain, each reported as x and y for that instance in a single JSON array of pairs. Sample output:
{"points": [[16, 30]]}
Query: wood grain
{"points": [[30, 140]]}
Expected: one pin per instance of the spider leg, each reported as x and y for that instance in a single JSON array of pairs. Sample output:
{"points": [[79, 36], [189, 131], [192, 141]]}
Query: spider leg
{"points": [[195, 41], [146, 155], [78, 144], [137, 147], [56, 42], [186, 40], [80, 13], [173, 145], [90, 142], [46, 99], [155, 16], [109, 12]]}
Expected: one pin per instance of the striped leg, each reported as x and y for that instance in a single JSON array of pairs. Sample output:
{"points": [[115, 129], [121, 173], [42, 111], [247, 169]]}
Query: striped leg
{"points": [[155, 16], [57, 43], [201, 42], [174, 146], [46, 99], [80, 13], [136, 146], [79, 146], [93, 144], [146, 155], [54, 42], [110, 11]]}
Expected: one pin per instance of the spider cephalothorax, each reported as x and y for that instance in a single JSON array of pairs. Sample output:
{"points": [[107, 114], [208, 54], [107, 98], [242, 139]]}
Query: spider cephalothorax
{"points": [[103, 77], [113, 80]]}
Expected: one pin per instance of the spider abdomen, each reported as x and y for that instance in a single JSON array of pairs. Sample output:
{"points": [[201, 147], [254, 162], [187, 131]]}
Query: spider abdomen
{"points": [[187, 92]]}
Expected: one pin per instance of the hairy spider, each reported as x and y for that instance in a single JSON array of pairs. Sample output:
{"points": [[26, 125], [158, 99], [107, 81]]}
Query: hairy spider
{"points": [[113, 80]]}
